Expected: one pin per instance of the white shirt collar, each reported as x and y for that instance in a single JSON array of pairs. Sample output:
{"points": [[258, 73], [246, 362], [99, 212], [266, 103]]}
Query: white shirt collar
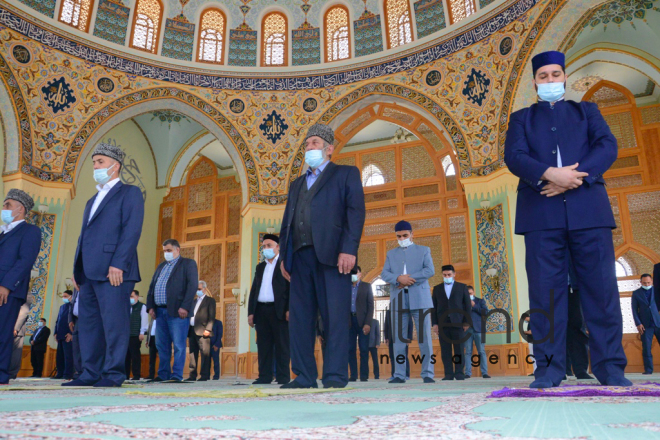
{"points": [[108, 186], [274, 260], [10, 226]]}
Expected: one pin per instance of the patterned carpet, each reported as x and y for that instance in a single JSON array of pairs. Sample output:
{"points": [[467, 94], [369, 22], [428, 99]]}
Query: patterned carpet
{"points": [[38, 408]]}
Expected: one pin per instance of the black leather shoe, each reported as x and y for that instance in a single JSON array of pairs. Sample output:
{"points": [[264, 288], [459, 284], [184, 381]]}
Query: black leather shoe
{"points": [[646, 372], [364, 380], [202, 379], [467, 377], [216, 378], [485, 376], [174, 381], [58, 377], [191, 379], [155, 379], [333, 384], [584, 376], [459, 377], [261, 382], [448, 378], [294, 384], [352, 380], [77, 383], [429, 380], [105, 383], [397, 380]]}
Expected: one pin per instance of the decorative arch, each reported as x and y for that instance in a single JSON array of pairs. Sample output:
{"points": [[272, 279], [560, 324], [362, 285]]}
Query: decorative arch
{"points": [[17, 137], [212, 38], [153, 99], [609, 94], [274, 39], [147, 21]]}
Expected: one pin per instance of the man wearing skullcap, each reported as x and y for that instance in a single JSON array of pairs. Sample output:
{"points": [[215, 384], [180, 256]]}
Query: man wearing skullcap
{"points": [[560, 150], [408, 269], [19, 247], [105, 271], [268, 313], [320, 235]]}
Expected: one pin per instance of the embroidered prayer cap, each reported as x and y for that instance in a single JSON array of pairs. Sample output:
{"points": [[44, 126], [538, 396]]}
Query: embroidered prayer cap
{"points": [[402, 226], [273, 237], [111, 151], [21, 197], [547, 58], [323, 131]]}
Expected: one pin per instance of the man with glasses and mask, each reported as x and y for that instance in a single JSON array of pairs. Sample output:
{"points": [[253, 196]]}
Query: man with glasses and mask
{"points": [[320, 235], [560, 150], [105, 270]]}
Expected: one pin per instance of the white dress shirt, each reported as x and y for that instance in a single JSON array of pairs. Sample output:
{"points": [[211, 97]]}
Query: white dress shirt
{"points": [[153, 327], [75, 306], [103, 191], [448, 288], [7, 228], [266, 293], [197, 304]]}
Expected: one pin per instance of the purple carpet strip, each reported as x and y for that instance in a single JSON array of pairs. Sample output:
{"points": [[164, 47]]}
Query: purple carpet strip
{"points": [[650, 389]]}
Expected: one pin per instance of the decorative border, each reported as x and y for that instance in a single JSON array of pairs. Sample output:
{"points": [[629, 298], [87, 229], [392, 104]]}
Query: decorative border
{"points": [[90, 54], [42, 265]]}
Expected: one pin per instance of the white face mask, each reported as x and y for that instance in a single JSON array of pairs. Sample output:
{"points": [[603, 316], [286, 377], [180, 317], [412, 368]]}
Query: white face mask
{"points": [[647, 287], [448, 280], [200, 293], [41, 323], [354, 278], [405, 243], [550, 92], [102, 175], [472, 297], [314, 158], [169, 256]]}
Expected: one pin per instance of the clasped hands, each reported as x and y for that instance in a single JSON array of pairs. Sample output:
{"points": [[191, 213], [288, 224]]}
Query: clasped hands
{"points": [[405, 281], [562, 179]]}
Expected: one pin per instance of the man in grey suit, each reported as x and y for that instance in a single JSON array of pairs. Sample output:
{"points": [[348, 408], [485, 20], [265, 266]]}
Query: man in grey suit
{"points": [[408, 269], [19, 337]]}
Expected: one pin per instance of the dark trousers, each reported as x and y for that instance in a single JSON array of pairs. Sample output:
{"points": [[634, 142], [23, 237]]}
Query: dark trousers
{"points": [[64, 359], [16, 357], [104, 319], [77, 360], [215, 356], [272, 344], [374, 360], [577, 340], [8, 316], [592, 253], [197, 345], [647, 342], [355, 331], [37, 361], [315, 288], [153, 355], [390, 347], [451, 351], [134, 358]]}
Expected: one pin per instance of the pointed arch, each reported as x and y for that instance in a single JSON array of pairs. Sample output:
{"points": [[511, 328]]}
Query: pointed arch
{"points": [[274, 41], [212, 37], [337, 30], [609, 94], [147, 21]]}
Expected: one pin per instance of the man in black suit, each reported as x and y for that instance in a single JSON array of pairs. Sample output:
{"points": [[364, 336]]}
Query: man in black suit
{"points": [[656, 277], [451, 301], [216, 345], [362, 313], [170, 302], [268, 313], [139, 328], [645, 307], [577, 338], [75, 340], [39, 343], [63, 337], [389, 340], [199, 333], [321, 231]]}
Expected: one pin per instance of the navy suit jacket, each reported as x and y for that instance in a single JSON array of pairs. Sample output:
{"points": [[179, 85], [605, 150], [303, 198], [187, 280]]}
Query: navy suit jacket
{"points": [[338, 215], [216, 336], [111, 237], [180, 289], [583, 137], [478, 310], [643, 312], [62, 323], [19, 250], [40, 339]]}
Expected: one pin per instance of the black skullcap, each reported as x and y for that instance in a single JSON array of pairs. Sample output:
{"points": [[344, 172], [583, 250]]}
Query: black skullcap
{"points": [[273, 237], [402, 226]]}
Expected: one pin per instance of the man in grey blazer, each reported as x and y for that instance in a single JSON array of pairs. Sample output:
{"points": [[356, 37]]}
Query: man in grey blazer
{"points": [[408, 269]]}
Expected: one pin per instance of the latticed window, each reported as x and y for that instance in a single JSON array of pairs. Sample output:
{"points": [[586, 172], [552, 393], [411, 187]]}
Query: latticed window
{"points": [[623, 268], [448, 166], [76, 13], [274, 40], [212, 36], [399, 30], [148, 16], [372, 176], [336, 34], [460, 9]]}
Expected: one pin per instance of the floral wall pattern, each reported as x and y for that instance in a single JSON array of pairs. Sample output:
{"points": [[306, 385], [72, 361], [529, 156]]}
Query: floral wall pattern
{"points": [[42, 266]]}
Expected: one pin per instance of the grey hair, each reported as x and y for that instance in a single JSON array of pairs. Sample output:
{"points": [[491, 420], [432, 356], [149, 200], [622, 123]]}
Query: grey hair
{"points": [[325, 146], [203, 283]]}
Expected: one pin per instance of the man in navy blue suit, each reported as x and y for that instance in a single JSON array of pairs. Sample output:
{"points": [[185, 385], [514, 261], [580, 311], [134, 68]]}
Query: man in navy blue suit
{"points": [[216, 345], [19, 247], [560, 150], [645, 312], [64, 338], [105, 271], [320, 235]]}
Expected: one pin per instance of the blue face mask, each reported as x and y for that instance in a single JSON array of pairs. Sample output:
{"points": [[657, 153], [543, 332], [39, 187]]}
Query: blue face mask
{"points": [[66, 300], [268, 253], [133, 301], [647, 287], [200, 293], [7, 216], [314, 158], [550, 92], [101, 175], [41, 323], [448, 280]]}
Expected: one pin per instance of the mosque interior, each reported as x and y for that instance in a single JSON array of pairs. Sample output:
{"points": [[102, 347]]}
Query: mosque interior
{"points": [[211, 99]]}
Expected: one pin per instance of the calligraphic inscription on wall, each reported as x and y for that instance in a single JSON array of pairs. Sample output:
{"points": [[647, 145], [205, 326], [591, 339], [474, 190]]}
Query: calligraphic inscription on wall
{"points": [[236, 106], [105, 85], [476, 87], [273, 127], [310, 104], [506, 46], [58, 95], [21, 54], [433, 78], [130, 172]]}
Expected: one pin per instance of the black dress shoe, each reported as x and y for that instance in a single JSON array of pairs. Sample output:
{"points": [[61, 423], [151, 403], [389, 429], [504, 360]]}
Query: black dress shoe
{"points": [[202, 379], [294, 384], [57, 377], [467, 377], [191, 379], [216, 378], [364, 380], [106, 383], [428, 380], [262, 382], [397, 380], [485, 376], [530, 374], [174, 381], [333, 384], [459, 377], [155, 379], [448, 378], [646, 372], [584, 376], [352, 380]]}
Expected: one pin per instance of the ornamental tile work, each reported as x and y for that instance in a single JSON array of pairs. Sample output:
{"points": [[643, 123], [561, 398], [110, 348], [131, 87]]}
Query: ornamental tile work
{"points": [[416, 163], [46, 7], [42, 265], [111, 21], [368, 256], [178, 40], [368, 35], [306, 46], [430, 17], [617, 234], [644, 211], [242, 48], [622, 128], [492, 252], [650, 115]]}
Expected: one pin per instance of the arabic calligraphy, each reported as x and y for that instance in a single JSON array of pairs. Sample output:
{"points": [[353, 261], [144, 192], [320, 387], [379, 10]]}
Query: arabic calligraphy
{"points": [[58, 95], [433, 78], [236, 106], [506, 46], [310, 104], [476, 87], [106, 85], [21, 54], [273, 127], [130, 175]]}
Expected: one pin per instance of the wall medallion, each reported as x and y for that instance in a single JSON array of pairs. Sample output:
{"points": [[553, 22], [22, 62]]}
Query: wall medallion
{"points": [[433, 78], [273, 127], [58, 95], [310, 104], [236, 106], [105, 85], [476, 87], [506, 46], [21, 54]]}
